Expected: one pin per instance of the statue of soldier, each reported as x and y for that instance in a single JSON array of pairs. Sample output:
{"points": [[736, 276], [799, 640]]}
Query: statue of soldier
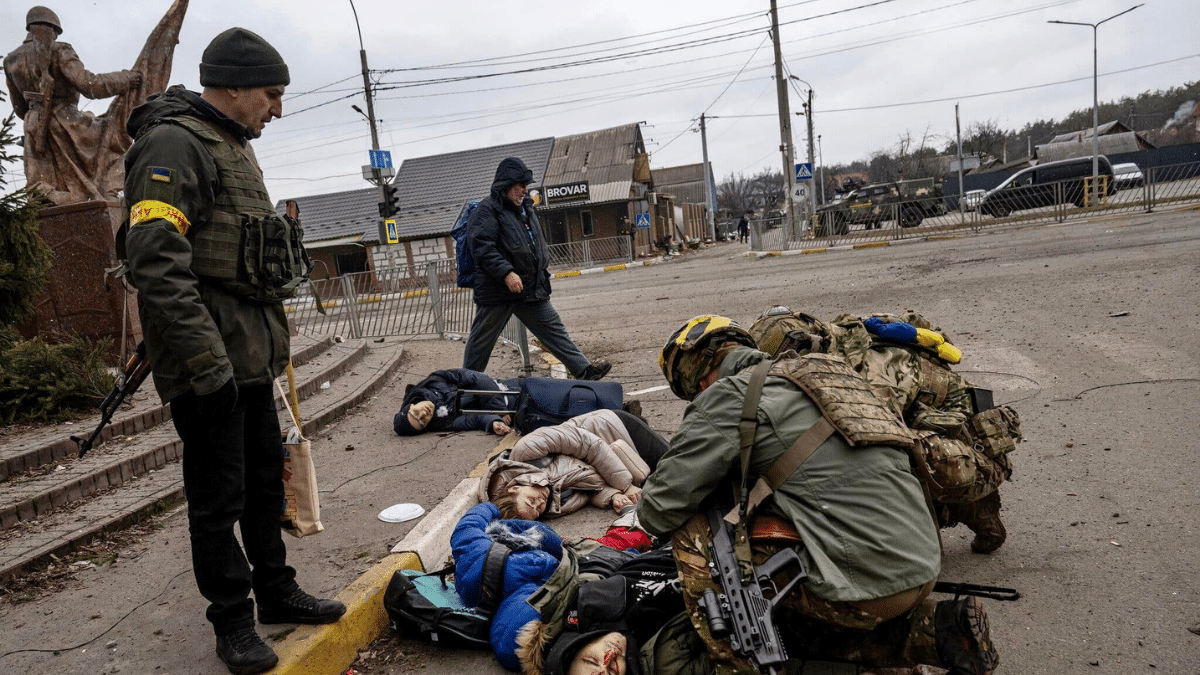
{"points": [[72, 155]]}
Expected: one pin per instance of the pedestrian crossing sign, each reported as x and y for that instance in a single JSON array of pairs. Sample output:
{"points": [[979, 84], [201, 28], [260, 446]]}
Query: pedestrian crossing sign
{"points": [[804, 171], [642, 220]]}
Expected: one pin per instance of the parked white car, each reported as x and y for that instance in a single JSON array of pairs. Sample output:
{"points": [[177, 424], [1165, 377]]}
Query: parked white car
{"points": [[971, 199], [1127, 175]]}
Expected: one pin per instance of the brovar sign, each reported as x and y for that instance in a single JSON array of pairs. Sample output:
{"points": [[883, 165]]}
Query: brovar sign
{"points": [[567, 193]]}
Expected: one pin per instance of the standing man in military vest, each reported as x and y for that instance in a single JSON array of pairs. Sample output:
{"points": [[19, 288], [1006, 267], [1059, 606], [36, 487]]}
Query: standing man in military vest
{"points": [[215, 330]]}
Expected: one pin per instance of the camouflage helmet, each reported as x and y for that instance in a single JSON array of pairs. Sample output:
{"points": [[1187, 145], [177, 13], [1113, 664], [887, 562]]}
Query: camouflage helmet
{"points": [[44, 15], [780, 329], [687, 356]]}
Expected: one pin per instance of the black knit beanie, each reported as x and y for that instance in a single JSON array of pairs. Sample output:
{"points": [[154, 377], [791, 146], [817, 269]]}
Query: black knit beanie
{"points": [[239, 58]]}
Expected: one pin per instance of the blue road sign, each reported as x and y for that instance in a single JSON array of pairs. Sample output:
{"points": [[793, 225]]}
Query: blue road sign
{"points": [[803, 171], [642, 220], [381, 159]]}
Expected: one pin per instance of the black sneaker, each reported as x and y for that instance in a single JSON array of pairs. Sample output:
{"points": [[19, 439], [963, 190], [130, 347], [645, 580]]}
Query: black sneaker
{"points": [[244, 652], [300, 607], [964, 641], [595, 370]]}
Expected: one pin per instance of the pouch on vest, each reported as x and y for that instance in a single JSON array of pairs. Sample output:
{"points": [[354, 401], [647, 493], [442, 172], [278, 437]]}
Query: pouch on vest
{"points": [[273, 256], [950, 465], [996, 432]]}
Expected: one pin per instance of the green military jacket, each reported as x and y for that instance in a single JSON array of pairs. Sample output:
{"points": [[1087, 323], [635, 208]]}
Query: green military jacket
{"points": [[198, 335], [862, 515]]}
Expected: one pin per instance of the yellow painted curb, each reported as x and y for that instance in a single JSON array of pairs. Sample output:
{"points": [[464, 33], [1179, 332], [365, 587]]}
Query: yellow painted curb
{"points": [[942, 237], [873, 244], [806, 251], [611, 268], [572, 273], [330, 649], [773, 253]]}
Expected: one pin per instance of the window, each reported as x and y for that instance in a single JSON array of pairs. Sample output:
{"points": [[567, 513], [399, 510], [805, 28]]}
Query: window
{"points": [[585, 220]]}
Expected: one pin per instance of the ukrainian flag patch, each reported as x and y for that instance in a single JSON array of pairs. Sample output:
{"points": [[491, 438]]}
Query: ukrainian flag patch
{"points": [[161, 175]]}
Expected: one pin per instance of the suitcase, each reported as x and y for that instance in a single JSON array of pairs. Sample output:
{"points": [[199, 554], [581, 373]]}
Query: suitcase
{"points": [[543, 401]]}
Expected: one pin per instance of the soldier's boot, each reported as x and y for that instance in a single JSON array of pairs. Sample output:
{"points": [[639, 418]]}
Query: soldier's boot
{"points": [[964, 640], [983, 517]]}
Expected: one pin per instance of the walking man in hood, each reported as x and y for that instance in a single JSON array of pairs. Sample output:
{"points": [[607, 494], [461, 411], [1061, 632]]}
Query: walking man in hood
{"points": [[510, 253], [215, 330]]}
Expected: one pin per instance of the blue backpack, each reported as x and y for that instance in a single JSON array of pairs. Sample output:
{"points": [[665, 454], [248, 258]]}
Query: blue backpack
{"points": [[462, 251]]}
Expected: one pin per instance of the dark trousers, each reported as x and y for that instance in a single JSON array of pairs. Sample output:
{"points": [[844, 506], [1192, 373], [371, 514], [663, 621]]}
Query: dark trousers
{"points": [[539, 317], [649, 445], [233, 473]]}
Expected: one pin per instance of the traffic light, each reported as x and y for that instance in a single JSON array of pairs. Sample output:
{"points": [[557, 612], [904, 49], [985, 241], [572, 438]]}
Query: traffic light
{"points": [[390, 205]]}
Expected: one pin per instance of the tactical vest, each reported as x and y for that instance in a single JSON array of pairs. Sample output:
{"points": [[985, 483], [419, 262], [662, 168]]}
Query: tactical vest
{"points": [[846, 400], [246, 247]]}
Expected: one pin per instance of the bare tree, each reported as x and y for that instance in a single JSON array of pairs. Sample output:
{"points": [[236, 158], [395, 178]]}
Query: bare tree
{"points": [[735, 195]]}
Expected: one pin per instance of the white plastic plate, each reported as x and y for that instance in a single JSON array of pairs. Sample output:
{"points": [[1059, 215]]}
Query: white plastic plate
{"points": [[399, 513]]}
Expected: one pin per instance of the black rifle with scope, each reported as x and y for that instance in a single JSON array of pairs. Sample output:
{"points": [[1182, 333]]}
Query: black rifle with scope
{"points": [[741, 610]]}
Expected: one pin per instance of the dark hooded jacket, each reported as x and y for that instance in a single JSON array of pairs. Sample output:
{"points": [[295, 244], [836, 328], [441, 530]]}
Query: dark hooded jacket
{"points": [[198, 335], [441, 388], [506, 238]]}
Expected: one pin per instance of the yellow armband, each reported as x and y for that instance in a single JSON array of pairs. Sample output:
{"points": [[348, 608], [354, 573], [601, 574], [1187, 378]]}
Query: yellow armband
{"points": [[147, 210]]}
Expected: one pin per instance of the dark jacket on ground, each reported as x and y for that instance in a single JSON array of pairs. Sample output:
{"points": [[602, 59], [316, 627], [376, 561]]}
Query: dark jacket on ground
{"points": [[198, 335], [441, 389], [506, 238]]}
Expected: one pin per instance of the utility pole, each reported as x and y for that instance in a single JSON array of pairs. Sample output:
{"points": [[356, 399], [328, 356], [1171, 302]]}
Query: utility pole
{"points": [[821, 159], [376, 173], [785, 128], [962, 208], [708, 195], [809, 115]]}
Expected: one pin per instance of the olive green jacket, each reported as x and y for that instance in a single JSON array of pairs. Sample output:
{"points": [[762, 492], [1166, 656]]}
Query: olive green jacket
{"points": [[197, 335], [861, 513]]}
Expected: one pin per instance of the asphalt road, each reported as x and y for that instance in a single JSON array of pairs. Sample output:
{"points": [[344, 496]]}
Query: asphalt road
{"points": [[1086, 328]]}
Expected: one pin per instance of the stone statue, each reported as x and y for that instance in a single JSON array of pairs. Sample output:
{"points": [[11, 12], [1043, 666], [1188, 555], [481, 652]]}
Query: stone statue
{"points": [[71, 155]]}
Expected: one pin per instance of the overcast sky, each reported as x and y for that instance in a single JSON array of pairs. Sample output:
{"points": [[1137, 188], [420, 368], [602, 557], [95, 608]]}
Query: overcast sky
{"points": [[879, 69]]}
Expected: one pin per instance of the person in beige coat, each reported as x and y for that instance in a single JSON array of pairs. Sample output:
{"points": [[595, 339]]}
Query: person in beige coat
{"points": [[556, 470]]}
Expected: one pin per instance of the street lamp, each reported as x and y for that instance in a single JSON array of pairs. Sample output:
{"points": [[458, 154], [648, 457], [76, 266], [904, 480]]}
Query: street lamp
{"points": [[1095, 88], [808, 114]]}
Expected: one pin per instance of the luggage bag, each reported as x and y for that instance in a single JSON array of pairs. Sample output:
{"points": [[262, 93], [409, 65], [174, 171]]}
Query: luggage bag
{"points": [[544, 401]]}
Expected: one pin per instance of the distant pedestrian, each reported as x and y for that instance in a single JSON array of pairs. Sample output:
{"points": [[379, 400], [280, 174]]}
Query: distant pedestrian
{"points": [[511, 258], [744, 228]]}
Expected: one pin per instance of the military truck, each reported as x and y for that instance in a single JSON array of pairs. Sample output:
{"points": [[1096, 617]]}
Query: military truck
{"points": [[871, 205]]}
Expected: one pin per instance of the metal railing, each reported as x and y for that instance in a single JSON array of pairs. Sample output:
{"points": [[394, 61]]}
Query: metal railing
{"points": [[399, 300], [591, 252], [1159, 187]]}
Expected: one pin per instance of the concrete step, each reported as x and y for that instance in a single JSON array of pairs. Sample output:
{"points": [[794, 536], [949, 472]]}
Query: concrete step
{"points": [[158, 486], [21, 453], [25, 498]]}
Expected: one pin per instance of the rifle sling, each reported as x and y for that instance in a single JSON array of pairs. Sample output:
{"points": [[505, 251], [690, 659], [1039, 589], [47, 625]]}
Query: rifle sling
{"points": [[786, 464]]}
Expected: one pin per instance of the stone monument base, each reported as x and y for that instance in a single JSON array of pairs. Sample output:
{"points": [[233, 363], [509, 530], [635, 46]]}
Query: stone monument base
{"points": [[79, 298]]}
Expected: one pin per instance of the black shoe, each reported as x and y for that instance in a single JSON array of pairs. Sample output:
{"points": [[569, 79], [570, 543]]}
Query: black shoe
{"points": [[300, 607], [244, 652], [964, 641], [595, 370]]}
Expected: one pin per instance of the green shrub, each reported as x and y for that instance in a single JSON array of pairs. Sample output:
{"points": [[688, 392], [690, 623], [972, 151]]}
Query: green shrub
{"points": [[51, 383]]}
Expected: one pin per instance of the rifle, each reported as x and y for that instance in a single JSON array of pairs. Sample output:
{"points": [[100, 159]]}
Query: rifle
{"points": [[741, 611], [127, 383], [991, 592]]}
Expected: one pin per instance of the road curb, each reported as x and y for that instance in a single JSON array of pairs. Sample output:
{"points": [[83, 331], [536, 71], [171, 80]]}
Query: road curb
{"points": [[606, 268], [848, 247]]}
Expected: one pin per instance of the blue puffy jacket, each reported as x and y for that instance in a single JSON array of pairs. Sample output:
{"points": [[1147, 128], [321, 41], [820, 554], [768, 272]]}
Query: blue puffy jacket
{"points": [[536, 552]]}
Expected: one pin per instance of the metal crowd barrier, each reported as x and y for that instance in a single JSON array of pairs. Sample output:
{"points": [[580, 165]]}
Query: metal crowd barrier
{"points": [[1161, 186], [591, 252]]}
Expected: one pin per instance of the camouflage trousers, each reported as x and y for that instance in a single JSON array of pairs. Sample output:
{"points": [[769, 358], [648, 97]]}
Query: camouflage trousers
{"points": [[956, 472], [891, 632]]}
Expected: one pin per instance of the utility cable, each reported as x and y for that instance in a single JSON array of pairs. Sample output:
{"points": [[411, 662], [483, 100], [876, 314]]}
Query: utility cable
{"points": [[106, 631]]}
